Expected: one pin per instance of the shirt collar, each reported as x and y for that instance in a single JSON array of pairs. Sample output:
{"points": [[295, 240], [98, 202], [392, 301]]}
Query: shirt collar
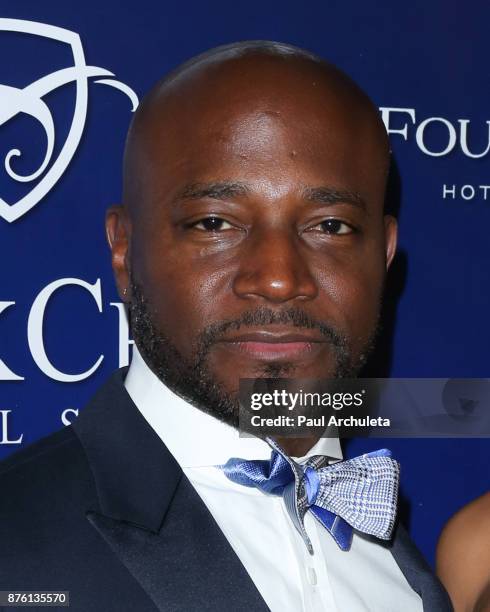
{"points": [[193, 437]]}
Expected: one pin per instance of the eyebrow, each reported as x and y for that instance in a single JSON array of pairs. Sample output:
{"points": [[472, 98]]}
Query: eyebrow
{"points": [[218, 191], [225, 190], [330, 195]]}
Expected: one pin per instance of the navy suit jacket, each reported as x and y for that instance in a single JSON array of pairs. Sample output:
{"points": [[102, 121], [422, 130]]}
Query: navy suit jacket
{"points": [[101, 509]]}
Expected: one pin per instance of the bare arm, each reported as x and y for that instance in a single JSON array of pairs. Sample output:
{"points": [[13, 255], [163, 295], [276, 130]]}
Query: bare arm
{"points": [[463, 557]]}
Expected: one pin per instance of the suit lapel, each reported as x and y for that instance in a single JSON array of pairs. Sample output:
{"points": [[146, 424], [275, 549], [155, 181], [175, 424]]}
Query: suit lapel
{"points": [[188, 564], [158, 527], [418, 573], [151, 516]]}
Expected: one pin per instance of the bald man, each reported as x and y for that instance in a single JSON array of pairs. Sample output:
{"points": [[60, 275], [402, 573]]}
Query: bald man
{"points": [[251, 242]]}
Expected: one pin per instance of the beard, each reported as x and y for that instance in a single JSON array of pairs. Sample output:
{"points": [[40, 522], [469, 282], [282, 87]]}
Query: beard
{"points": [[190, 377]]}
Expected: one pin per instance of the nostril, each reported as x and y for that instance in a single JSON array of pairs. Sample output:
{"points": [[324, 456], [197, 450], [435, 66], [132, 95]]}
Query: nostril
{"points": [[275, 287], [274, 269]]}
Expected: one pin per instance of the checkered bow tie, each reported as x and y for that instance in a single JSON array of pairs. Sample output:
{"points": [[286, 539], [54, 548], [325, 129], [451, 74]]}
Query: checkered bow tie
{"points": [[359, 493]]}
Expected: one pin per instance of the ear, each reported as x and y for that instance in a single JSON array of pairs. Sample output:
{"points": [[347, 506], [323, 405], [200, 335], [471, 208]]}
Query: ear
{"points": [[118, 232], [391, 236]]}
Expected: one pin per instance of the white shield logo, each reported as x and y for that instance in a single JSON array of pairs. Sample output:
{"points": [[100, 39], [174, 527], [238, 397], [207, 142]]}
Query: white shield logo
{"points": [[29, 100]]}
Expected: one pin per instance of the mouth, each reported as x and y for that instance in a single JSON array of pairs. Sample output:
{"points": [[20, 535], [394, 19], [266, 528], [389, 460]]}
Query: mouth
{"points": [[275, 344]]}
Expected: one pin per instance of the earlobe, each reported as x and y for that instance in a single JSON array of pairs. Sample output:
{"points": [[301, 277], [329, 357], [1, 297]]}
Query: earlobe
{"points": [[391, 236], [118, 233]]}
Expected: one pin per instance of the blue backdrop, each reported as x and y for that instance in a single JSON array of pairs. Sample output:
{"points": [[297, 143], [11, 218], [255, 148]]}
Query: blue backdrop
{"points": [[424, 65]]}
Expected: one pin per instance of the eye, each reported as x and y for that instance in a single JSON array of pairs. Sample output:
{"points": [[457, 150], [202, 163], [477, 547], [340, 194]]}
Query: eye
{"points": [[334, 226], [212, 224]]}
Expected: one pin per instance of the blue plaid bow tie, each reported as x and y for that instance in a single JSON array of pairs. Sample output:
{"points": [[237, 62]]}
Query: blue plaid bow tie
{"points": [[360, 493]]}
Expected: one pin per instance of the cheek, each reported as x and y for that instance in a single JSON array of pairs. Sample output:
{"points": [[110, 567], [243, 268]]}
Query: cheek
{"points": [[350, 292], [187, 292]]}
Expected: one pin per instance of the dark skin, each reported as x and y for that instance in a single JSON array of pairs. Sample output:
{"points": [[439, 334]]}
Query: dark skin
{"points": [[463, 557], [257, 182]]}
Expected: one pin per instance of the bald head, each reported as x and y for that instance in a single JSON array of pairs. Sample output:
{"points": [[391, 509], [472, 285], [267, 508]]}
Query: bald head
{"points": [[266, 81]]}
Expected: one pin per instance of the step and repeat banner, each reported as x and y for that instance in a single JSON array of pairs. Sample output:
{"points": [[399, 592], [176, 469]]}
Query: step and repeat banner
{"points": [[72, 74]]}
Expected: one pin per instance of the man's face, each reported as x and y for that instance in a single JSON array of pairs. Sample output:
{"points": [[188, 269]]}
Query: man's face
{"points": [[259, 247]]}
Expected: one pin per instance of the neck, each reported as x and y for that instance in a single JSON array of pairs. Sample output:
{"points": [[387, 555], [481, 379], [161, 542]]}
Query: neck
{"points": [[296, 447]]}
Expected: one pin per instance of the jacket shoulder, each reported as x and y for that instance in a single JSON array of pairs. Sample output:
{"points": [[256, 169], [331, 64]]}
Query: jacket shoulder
{"points": [[42, 450], [49, 477], [62, 450]]}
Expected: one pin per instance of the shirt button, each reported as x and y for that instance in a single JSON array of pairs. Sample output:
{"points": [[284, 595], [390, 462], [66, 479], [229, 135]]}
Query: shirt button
{"points": [[311, 575]]}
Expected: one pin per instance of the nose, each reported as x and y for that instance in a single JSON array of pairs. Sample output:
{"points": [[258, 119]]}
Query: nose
{"points": [[274, 269]]}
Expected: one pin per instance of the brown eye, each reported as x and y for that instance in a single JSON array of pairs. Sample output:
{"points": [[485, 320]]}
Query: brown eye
{"points": [[334, 226], [212, 224]]}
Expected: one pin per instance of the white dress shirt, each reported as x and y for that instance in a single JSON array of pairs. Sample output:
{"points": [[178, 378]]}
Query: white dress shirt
{"points": [[257, 526]]}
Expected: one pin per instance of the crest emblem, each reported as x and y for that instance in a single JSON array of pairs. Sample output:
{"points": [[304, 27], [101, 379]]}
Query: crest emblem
{"points": [[29, 100]]}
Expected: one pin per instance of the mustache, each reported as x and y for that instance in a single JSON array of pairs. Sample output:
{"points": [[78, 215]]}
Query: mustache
{"points": [[173, 368], [295, 317]]}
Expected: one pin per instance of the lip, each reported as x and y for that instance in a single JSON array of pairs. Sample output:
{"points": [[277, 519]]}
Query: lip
{"points": [[274, 344]]}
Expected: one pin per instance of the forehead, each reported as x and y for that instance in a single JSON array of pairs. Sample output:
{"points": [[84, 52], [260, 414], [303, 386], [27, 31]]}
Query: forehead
{"points": [[271, 123]]}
